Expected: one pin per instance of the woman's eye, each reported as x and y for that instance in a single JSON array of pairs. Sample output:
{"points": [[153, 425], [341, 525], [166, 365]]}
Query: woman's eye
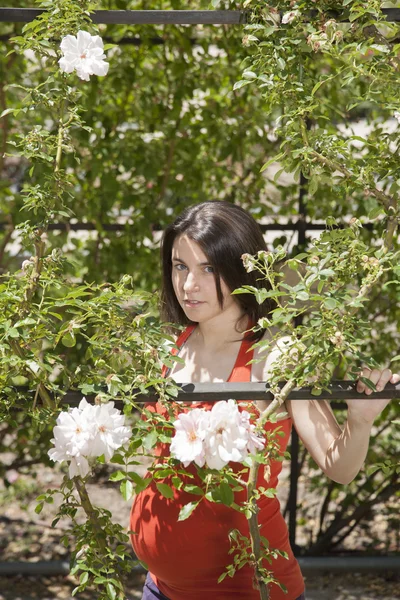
{"points": [[179, 267], [209, 269]]}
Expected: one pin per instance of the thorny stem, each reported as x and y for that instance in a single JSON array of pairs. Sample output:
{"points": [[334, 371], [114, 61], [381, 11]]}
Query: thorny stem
{"points": [[91, 514], [34, 278], [255, 538]]}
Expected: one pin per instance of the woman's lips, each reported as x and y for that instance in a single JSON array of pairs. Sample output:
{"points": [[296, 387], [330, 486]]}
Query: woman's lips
{"points": [[192, 303]]}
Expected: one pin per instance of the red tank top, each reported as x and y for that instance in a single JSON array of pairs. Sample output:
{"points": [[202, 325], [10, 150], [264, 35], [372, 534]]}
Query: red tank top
{"points": [[186, 558]]}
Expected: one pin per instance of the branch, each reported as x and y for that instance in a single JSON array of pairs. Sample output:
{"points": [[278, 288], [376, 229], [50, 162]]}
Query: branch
{"points": [[357, 514], [335, 166]]}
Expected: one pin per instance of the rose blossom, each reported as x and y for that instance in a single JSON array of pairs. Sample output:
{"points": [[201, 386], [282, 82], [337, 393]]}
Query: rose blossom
{"points": [[84, 54], [187, 444], [88, 431], [214, 437]]}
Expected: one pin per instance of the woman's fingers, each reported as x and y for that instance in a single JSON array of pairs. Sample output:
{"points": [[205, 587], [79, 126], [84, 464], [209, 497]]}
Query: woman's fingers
{"points": [[379, 378]]}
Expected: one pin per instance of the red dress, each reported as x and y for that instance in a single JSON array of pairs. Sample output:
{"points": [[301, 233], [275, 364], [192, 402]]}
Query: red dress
{"points": [[186, 558]]}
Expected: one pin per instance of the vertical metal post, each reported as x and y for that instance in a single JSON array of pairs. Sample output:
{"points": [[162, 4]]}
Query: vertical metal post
{"points": [[294, 447]]}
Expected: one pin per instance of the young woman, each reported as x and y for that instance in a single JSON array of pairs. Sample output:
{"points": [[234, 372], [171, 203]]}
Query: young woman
{"points": [[201, 259]]}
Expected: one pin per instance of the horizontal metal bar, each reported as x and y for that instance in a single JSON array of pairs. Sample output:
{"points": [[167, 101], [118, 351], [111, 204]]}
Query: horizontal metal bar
{"points": [[308, 565], [137, 17], [159, 17], [123, 227], [213, 392], [124, 41]]}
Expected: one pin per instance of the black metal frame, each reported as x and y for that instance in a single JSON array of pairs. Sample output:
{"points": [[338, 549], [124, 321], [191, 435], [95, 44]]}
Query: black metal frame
{"points": [[158, 17]]}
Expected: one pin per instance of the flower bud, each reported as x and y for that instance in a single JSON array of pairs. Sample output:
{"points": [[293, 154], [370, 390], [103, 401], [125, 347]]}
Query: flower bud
{"points": [[248, 262], [314, 260]]}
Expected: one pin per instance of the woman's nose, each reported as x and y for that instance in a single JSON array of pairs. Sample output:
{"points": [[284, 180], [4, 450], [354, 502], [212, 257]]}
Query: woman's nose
{"points": [[190, 283]]}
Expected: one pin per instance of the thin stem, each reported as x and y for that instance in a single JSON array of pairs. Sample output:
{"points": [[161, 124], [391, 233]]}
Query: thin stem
{"points": [[255, 538], [91, 514]]}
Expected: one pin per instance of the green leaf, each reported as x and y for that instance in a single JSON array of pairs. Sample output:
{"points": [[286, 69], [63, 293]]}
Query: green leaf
{"points": [[187, 510], [165, 490], [240, 84], [150, 440], [193, 489], [249, 75], [303, 296], [330, 303], [368, 383], [68, 340], [272, 160], [111, 593], [126, 488], [117, 476], [327, 272], [397, 357], [7, 112], [225, 493]]}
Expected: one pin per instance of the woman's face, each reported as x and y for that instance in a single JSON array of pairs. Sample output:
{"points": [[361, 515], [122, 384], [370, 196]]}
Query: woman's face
{"points": [[194, 283]]}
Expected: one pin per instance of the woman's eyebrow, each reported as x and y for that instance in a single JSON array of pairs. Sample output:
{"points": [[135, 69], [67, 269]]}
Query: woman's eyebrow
{"points": [[201, 264]]}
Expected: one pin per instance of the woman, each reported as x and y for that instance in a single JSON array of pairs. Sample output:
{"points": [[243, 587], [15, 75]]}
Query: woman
{"points": [[201, 257]]}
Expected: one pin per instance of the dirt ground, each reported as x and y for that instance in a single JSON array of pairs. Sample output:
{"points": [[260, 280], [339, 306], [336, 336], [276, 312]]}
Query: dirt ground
{"points": [[27, 536], [354, 586]]}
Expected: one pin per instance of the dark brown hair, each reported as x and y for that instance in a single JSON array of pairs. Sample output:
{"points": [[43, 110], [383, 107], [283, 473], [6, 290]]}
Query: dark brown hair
{"points": [[224, 232]]}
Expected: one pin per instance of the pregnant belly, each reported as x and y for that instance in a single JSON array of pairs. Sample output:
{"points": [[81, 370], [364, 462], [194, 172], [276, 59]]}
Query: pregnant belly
{"points": [[198, 547]]}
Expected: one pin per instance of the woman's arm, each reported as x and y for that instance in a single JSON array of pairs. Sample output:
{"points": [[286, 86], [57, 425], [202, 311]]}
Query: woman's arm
{"points": [[340, 453]]}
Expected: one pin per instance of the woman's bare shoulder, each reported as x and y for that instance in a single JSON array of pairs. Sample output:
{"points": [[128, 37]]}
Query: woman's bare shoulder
{"points": [[266, 351]]}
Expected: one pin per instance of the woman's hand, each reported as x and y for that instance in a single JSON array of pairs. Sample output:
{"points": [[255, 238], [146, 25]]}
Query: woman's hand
{"points": [[366, 410]]}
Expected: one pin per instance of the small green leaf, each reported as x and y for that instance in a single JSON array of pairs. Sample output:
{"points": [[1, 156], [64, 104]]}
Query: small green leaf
{"points": [[303, 296], [187, 510], [272, 160], [226, 494], [111, 593], [68, 340], [330, 303], [165, 490], [193, 489], [7, 112], [249, 75], [240, 84], [117, 476], [126, 488], [150, 440], [368, 383]]}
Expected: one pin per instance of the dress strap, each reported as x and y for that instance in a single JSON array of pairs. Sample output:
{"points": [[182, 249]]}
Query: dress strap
{"points": [[241, 370]]}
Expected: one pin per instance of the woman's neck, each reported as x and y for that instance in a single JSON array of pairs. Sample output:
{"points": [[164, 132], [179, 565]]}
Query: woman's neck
{"points": [[214, 335]]}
